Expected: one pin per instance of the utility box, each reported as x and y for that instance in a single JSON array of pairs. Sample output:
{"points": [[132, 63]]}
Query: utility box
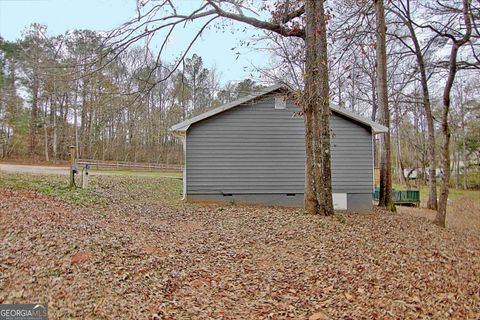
{"points": [[85, 169], [73, 167]]}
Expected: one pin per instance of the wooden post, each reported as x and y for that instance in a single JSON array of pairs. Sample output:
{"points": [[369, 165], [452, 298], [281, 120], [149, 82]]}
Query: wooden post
{"points": [[72, 166]]}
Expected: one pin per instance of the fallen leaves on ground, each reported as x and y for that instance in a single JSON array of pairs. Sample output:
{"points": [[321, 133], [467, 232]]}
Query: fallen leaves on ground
{"points": [[142, 258], [463, 212]]}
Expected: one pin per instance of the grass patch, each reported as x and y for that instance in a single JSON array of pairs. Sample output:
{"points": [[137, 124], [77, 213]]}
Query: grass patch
{"points": [[104, 190], [452, 194], [54, 273], [341, 218], [52, 185], [135, 189], [470, 194]]}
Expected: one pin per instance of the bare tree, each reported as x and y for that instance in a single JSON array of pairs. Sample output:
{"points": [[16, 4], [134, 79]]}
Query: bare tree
{"points": [[458, 36], [403, 9], [385, 200]]}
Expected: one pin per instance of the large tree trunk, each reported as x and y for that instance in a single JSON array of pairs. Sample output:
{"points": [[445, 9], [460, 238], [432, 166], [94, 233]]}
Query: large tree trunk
{"points": [[310, 198], [441, 216], [318, 184], [382, 93], [432, 169]]}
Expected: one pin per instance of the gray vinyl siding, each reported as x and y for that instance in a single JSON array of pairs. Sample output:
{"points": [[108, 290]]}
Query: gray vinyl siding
{"points": [[257, 149]]}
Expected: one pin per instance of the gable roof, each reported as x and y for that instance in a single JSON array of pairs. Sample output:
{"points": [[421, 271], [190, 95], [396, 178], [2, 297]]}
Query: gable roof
{"points": [[183, 126]]}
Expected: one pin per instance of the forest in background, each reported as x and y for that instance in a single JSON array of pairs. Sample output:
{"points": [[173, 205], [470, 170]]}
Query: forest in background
{"points": [[57, 91]]}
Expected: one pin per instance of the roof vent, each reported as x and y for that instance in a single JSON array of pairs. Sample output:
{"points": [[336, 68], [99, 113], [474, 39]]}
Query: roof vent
{"points": [[280, 102]]}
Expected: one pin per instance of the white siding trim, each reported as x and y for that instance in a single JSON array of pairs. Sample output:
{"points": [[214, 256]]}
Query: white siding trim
{"points": [[184, 142], [373, 162]]}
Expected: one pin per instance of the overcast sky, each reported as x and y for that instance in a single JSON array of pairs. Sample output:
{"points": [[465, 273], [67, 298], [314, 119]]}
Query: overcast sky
{"points": [[103, 15]]}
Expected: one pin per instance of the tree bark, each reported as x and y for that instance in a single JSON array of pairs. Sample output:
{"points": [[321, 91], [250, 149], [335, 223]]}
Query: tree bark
{"points": [[310, 196], [441, 215], [34, 115], [457, 165], [432, 169], [53, 111], [45, 131], [374, 100], [464, 147], [318, 186], [75, 121], [385, 200]]}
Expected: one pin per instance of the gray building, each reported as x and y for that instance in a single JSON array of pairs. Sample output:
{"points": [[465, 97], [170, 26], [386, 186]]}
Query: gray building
{"points": [[252, 150]]}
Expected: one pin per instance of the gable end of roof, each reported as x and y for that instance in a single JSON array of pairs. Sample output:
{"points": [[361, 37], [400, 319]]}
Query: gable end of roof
{"points": [[182, 127]]}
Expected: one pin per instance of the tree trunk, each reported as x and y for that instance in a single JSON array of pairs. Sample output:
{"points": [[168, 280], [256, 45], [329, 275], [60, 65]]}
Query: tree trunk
{"points": [[63, 111], [374, 100], [432, 169], [382, 93], [440, 218], [310, 198], [318, 186], [456, 163], [34, 116], [54, 128], [441, 215], [464, 147], [45, 131], [75, 121]]}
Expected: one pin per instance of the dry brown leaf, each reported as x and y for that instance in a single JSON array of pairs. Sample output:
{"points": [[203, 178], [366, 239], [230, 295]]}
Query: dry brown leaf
{"points": [[319, 316], [81, 257]]}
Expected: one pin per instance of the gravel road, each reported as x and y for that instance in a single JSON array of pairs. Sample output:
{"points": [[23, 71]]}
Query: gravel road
{"points": [[33, 169]]}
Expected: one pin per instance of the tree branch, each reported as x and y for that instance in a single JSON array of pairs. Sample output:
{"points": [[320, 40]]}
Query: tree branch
{"points": [[269, 26]]}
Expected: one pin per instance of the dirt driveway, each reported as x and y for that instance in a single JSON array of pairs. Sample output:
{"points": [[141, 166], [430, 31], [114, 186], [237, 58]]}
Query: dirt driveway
{"points": [[143, 257], [37, 169], [33, 169]]}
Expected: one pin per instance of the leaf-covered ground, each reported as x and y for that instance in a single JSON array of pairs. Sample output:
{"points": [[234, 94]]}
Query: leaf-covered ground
{"points": [[139, 253]]}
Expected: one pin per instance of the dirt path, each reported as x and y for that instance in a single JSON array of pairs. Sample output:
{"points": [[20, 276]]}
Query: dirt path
{"points": [[143, 259], [33, 169], [37, 169]]}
